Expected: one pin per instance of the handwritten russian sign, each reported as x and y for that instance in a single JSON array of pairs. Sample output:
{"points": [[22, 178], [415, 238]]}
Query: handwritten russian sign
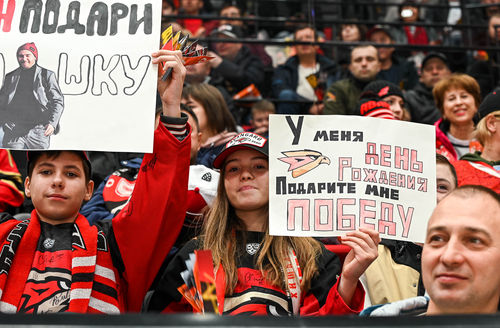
{"points": [[333, 174]]}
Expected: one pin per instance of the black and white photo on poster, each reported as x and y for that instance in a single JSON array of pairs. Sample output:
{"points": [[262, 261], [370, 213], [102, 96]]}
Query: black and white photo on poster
{"points": [[78, 74]]}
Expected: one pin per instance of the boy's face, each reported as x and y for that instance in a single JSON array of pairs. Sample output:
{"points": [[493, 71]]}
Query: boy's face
{"points": [[260, 119], [57, 187]]}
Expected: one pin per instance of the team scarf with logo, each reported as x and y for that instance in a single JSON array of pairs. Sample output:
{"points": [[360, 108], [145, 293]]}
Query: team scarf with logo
{"points": [[94, 288], [293, 280]]}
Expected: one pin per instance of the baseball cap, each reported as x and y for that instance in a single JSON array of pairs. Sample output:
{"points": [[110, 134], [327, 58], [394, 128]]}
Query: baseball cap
{"points": [[231, 31], [29, 155], [490, 104], [377, 28], [244, 140], [434, 54]]}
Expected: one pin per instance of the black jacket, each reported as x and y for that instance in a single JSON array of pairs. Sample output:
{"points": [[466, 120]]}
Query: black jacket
{"points": [[244, 70], [421, 104], [407, 77], [286, 76], [486, 74]]}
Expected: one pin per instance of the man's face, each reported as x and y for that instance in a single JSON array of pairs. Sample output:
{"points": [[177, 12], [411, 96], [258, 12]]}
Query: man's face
{"points": [[494, 21], [382, 38], [57, 187], [409, 14], [192, 7], [227, 50], [364, 63], [232, 12], [461, 256], [166, 9], [26, 59], [305, 35], [434, 71]]}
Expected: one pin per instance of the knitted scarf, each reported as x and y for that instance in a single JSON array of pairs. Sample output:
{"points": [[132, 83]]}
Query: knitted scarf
{"points": [[93, 289]]}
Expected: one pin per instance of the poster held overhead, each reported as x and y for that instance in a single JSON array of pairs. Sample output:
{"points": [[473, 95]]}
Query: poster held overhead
{"points": [[334, 174], [78, 74]]}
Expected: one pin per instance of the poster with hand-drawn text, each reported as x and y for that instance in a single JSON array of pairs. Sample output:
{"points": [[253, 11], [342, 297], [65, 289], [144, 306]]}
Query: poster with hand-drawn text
{"points": [[78, 75], [334, 174]]}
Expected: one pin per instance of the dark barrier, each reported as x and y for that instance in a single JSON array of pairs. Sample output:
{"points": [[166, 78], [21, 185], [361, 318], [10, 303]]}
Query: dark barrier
{"points": [[42, 321]]}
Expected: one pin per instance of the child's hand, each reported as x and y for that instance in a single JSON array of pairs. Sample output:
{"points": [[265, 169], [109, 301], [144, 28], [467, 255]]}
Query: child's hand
{"points": [[170, 90]]}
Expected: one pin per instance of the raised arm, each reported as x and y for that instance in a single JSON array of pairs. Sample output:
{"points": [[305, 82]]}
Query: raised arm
{"points": [[146, 229]]}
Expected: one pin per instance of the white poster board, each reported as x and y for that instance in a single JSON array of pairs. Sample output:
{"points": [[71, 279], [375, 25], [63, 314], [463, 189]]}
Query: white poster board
{"points": [[333, 174], [100, 55]]}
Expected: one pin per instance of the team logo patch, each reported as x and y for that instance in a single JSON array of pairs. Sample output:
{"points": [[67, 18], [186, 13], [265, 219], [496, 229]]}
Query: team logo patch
{"points": [[331, 97], [303, 161], [207, 177], [49, 243], [252, 248], [384, 91], [246, 138]]}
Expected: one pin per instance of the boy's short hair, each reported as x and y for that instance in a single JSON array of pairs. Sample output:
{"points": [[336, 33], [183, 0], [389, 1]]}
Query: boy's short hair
{"points": [[33, 157], [263, 106], [190, 111]]}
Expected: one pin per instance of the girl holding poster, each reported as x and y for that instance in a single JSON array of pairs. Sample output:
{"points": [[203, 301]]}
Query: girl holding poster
{"points": [[259, 274]]}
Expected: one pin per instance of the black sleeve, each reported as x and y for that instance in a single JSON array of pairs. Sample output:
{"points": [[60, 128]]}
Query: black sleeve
{"points": [[242, 76]]}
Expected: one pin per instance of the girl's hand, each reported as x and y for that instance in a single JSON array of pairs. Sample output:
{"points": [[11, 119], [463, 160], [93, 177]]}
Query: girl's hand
{"points": [[364, 250]]}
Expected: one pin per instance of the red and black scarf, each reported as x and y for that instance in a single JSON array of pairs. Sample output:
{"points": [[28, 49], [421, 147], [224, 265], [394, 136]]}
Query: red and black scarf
{"points": [[94, 287]]}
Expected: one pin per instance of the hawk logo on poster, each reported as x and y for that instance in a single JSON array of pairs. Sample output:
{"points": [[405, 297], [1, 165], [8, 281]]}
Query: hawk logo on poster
{"points": [[303, 161]]}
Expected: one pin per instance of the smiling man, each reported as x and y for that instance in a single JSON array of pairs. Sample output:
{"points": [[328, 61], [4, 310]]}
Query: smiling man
{"points": [[460, 257], [31, 103]]}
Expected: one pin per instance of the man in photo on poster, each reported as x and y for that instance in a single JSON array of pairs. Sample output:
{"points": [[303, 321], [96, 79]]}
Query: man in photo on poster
{"points": [[31, 103]]}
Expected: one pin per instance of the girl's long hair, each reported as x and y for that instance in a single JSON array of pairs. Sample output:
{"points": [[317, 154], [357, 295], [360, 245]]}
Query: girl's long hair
{"points": [[220, 237]]}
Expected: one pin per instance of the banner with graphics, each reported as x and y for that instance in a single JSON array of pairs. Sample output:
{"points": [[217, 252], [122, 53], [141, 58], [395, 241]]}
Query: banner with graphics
{"points": [[334, 174], [78, 74]]}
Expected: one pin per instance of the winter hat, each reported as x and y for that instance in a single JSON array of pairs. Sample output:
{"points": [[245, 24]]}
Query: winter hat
{"points": [[28, 46], [244, 140], [380, 89], [373, 108]]}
